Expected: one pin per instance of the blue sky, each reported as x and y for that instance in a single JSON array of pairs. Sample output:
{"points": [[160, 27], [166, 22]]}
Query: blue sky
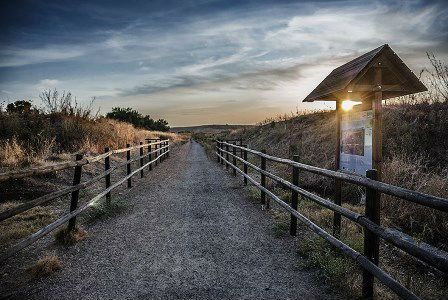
{"points": [[203, 62]]}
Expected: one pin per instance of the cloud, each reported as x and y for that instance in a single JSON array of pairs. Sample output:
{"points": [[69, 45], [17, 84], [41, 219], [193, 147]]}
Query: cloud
{"points": [[47, 84], [216, 51], [13, 57]]}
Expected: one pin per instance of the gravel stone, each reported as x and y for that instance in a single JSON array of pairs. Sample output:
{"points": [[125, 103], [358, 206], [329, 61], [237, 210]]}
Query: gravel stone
{"points": [[190, 233]]}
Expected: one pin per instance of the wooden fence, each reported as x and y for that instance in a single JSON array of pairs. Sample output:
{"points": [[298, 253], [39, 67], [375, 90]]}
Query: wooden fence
{"points": [[157, 151], [370, 221]]}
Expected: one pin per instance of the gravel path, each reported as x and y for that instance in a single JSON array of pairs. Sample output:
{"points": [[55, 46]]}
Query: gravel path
{"points": [[190, 233]]}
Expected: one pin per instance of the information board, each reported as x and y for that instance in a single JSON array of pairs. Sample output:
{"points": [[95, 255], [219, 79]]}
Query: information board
{"points": [[356, 142]]}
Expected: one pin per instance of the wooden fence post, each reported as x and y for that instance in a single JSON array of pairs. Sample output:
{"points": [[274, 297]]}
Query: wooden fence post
{"points": [[371, 241], [156, 148], [167, 149], [75, 194], [221, 148], [227, 155], [294, 197], [106, 168], [128, 165], [217, 146], [149, 155], [234, 158], [162, 151], [263, 178], [245, 165], [141, 159], [338, 201]]}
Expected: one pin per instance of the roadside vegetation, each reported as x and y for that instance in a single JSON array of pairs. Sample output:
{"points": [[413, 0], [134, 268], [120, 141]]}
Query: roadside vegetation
{"points": [[415, 149], [34, 135]]}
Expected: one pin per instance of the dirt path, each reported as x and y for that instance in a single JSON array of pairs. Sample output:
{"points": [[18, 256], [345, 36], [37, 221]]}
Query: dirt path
{"points": [[190, 234]]}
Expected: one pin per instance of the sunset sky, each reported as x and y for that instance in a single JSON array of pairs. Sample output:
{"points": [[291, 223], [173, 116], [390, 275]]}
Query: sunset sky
{"points": [[203, 62]]}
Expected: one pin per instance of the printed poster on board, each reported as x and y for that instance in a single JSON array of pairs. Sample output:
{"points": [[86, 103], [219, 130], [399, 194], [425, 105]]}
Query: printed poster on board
{"points": [[356, 142]]}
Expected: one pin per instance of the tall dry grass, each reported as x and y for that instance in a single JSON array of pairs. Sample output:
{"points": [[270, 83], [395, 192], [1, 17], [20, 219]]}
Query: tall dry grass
{"points": [[35, 138], [415, 141]]}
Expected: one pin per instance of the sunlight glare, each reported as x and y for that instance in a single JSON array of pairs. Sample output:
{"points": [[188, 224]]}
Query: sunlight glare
{"points": [[348, 104]]}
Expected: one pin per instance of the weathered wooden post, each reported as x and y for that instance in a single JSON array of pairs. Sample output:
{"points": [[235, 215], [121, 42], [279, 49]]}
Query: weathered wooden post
{"points": [[245, 164], [371, 241], [128, 165], [106, 168], [162, 150], [217, 150], [227, 154], [141, 159], [294, 197], [263, 178], [167, 149], [149, 155], [75, 194], [221, 147], [156, 148], [234, 158], [337, 197]]}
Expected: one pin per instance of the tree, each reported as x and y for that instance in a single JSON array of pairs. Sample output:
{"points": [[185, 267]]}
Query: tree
{"points": [[20, 106], [137, 119]]}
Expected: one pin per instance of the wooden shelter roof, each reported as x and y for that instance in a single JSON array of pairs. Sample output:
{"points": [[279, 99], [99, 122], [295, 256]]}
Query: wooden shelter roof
{"points": [[357, 75]]}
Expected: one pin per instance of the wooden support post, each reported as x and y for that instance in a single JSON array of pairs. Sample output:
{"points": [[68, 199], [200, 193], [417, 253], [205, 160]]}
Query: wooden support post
{"points": [[263, 178], [219, 153], [234, 159], [128, 165], [337, 198], [245, 165], [222, 153], [371, 241], [75, 194], [294, 197], [141, 159], [227, 155], [106, 168], [156, 148], [167, 149], [161, 151], [377, 108], [149, 155]]}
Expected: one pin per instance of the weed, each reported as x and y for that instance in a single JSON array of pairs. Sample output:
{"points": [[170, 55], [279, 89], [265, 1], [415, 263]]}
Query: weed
{"points": [[66, 237], [104, 209], [25, 223], [45, 266]]}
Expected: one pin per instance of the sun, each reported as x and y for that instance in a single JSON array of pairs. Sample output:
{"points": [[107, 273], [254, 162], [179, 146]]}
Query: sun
{"points": [[348, 104]]}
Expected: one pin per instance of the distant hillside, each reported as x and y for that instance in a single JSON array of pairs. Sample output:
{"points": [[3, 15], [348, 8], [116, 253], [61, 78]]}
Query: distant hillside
{"points": [[214, 128]]}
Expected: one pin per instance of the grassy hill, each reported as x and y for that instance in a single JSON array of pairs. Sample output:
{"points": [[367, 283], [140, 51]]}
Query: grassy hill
{"points": [[415, 138], [214, 128]]}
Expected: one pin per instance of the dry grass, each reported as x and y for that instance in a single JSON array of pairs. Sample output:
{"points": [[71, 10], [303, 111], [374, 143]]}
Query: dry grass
{"points": [[418, 221], [22, 142], [65, 237], [23, 224], [45, 266], [415, 153]]}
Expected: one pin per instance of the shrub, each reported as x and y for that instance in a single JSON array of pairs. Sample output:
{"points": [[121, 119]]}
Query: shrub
{"points": [[45, 266], [137, 119]]}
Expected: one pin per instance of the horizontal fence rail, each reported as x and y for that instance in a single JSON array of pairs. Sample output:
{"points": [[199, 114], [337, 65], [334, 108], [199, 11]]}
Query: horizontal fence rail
{"points": [[161, 152], [438, 259]]}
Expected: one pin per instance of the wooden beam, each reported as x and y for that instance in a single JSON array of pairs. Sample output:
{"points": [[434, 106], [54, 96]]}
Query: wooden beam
{"points": [[377, 88], [377, 145]]}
